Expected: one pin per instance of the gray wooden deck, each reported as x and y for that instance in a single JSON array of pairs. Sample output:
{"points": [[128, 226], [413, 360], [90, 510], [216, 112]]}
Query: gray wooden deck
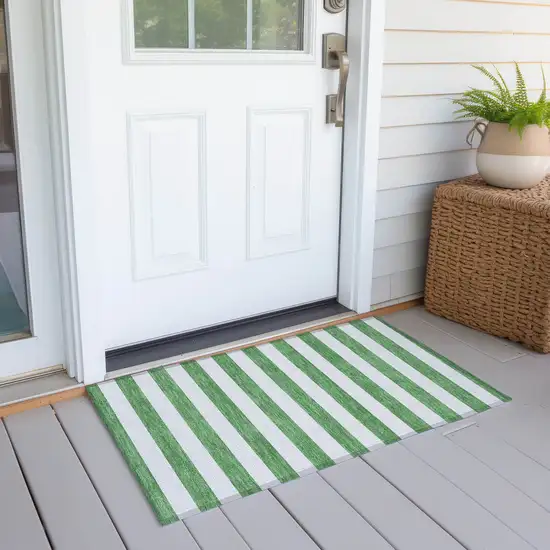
{"points": [[481, 484]]}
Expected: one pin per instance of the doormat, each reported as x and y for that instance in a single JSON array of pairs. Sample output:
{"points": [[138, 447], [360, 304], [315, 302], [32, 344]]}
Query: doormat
{"points": [[200, 434]]}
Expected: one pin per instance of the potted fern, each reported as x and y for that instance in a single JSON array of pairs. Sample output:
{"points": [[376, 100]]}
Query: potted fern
{"points": [[515, 146]]}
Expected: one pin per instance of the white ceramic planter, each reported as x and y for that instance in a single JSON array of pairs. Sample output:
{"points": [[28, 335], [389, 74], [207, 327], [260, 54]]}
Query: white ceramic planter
{"points": [[506, 160]]}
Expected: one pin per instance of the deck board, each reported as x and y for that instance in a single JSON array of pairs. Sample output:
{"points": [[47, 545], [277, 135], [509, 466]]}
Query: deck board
{"points": [[328, 519], [493, 492], [213, 531], [122, 496], [527, 428], [70, 508], [406, 527], [459, 514], [20, 526], [480, 484], [265, 525], [519, 469]]}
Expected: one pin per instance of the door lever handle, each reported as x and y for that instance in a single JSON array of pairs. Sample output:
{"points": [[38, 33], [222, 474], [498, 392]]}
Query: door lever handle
{"points": [[336, 57], [342, 85]]}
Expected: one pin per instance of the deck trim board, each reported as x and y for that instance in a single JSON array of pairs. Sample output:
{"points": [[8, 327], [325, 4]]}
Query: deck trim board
{"points": [[450, 507], [71, 510], [119, 491], [20, 525], [328, 519], [264, 524], [407, 527]]}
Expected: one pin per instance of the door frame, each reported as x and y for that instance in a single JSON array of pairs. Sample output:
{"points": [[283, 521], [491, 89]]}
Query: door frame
{"points": [[68, 93]]}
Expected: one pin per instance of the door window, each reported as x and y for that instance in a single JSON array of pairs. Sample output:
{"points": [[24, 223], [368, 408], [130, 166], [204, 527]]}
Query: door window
{"points": [[269, 25]]}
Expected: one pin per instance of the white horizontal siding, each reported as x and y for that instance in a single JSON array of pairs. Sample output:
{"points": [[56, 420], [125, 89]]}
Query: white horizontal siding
{"points": [[402, 257], [391, 289], [402, 229], [404, 200], [429, 47], [419, 170], [466, 47], [496, 17], [381, 290], [447, 79], [413, 111], [427, 109], [424, 139]]}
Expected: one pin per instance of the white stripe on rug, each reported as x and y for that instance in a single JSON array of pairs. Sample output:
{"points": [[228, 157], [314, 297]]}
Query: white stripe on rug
{"points": [[412, 374], [325, 441], [418, 378], [262, 475], [256, 416], [324, 399], [195, 450], [434, 362], [402, 429], [159, 467]]}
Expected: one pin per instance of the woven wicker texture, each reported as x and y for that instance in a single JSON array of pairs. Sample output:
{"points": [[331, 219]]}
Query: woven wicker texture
{"points": [[489, 259]]}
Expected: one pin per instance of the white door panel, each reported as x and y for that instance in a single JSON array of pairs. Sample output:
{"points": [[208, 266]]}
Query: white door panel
{"points": [[218, 178]]}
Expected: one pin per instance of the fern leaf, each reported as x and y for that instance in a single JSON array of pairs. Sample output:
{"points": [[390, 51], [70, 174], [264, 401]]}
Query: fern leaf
{"points": [[505, 90], [490, 76], [542, 98], [520, 96]]}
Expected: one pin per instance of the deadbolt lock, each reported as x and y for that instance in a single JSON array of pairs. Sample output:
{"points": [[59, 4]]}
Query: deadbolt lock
{"points": [[335, 6]]}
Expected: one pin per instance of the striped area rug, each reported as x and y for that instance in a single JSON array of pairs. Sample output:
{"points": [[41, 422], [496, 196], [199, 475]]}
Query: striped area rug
{"points": [[206, 432]]}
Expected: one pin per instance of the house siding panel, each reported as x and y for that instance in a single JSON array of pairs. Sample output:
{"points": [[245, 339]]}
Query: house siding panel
{"points": [[429, 47]]}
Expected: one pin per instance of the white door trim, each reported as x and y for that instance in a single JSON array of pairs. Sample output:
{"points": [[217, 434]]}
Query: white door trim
{"points": [[360, 160], [74, 190], [77, 237]]}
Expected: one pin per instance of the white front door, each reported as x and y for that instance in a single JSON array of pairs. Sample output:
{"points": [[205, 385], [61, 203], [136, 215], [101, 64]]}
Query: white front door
{"points": [[218, 178], [31, 330]]}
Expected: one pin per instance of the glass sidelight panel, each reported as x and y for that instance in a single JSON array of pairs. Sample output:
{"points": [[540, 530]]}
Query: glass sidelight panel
{"points": [[14, 318], [219, 24]]}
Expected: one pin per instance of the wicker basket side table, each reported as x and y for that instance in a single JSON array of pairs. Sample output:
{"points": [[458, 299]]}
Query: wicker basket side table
{"points": [[489, 259]]}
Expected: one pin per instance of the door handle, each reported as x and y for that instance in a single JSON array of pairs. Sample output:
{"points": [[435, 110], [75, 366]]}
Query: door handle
{"points": [[336, 57]]}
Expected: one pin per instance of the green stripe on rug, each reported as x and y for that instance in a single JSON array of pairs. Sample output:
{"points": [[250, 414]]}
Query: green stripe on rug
{"points": [[213, 443], [449, 363], [371, 422], [318, 413], [365, 383], [248, 431], [301, 440], [163, 510], [190, 477], [436, 377], [395, 376]]}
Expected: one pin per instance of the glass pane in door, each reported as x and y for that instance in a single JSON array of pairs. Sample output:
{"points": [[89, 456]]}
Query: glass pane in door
{"points": [[219, 24], [161, 23], [278, 24], [14, 317]]}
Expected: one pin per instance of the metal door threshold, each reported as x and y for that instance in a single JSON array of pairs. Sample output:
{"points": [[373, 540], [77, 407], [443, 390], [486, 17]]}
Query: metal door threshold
{"points": [[180, 344]]}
